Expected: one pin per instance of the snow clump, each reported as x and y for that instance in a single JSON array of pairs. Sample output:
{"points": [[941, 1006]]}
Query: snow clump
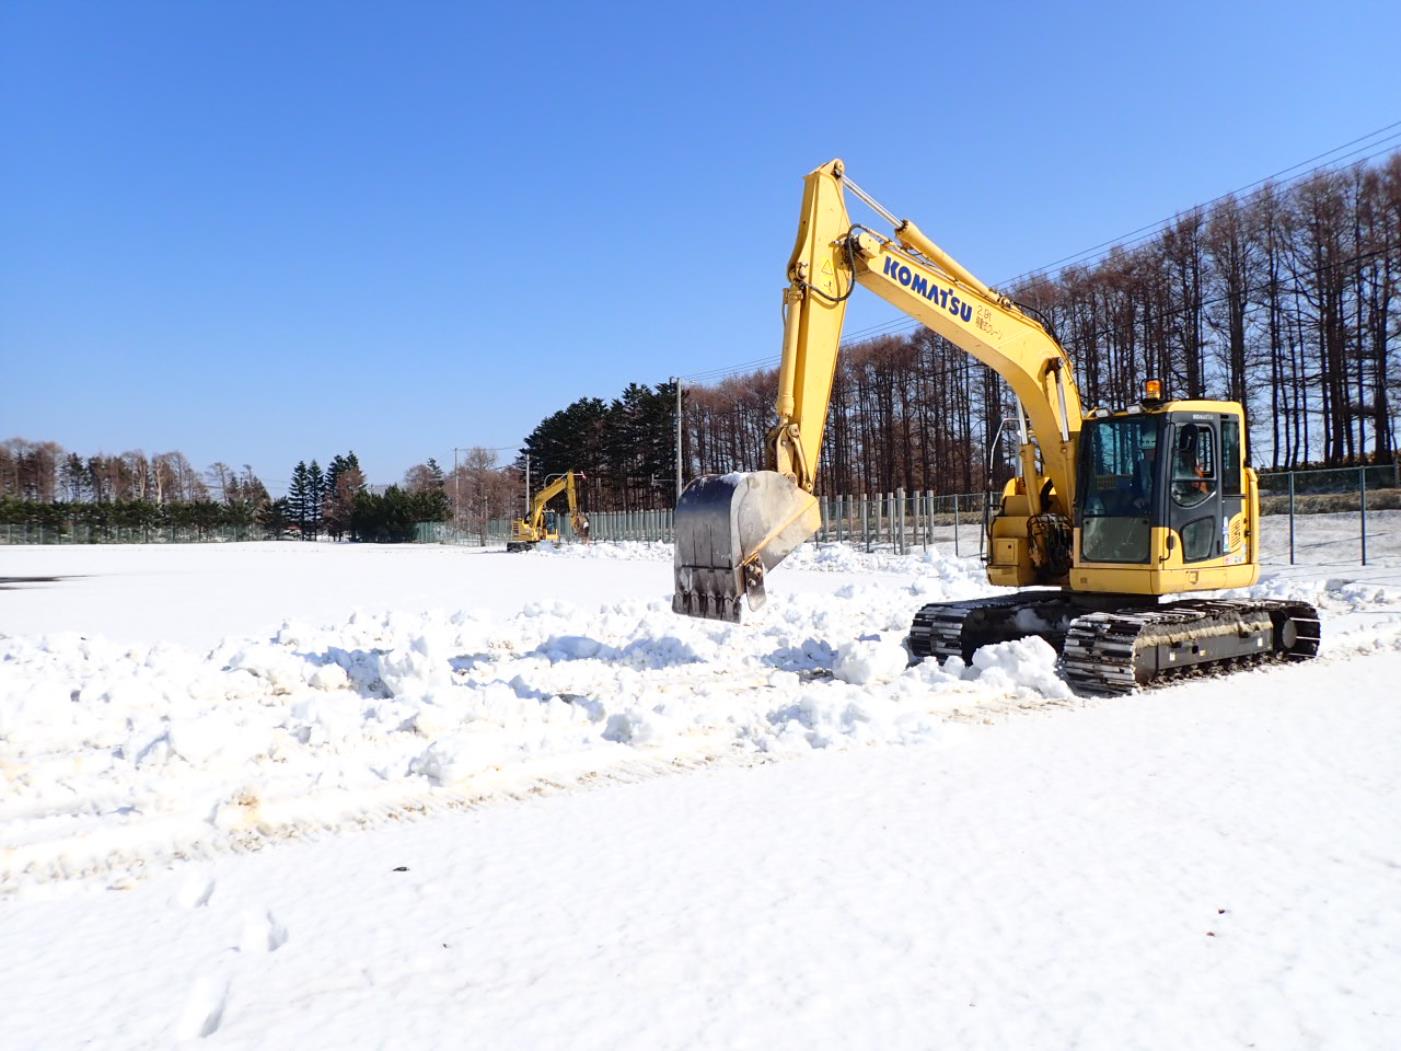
{"points": [[875, 659], [1019, 666]]}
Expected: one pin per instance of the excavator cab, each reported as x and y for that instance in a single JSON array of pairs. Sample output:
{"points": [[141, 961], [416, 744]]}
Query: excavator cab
{"points": [[1164, 497]]}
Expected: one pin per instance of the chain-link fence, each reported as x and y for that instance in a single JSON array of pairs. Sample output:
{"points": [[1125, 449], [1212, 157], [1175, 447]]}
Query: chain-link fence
{"points": [[1310, 516], [497, 532], [78, 533], [1332, 513], [1329, 514]]}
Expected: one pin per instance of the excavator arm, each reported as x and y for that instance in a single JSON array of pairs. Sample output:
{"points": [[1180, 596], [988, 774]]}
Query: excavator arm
{"points": [[731, 529], [526, 532], [545, 495]]}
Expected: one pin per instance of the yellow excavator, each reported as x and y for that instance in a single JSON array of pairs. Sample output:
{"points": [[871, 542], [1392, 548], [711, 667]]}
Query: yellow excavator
{"points": [[543, 524], [1110, 509]]}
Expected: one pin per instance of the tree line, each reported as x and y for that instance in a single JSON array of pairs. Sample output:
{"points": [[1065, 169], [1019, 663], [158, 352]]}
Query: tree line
{"points": [[625, 448], [100, 496], [1284, 300]]}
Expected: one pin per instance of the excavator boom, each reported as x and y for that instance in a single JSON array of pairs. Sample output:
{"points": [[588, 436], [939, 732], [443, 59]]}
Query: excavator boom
{"points": [[731, 529]]}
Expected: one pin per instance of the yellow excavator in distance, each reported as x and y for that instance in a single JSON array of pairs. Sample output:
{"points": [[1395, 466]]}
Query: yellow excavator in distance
{"points": [[1110, 509], [542, 524]]}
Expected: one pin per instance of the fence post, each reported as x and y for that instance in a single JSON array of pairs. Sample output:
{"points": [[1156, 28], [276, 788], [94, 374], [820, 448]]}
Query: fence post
{"points": [[900, 517], [955, 525], [866, 522], [912, 522], [1362, 488], [1291, 518]]}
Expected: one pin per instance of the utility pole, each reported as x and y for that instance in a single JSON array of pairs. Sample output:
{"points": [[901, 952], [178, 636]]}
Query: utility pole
{"points": [[677, 381], [527, 486]]}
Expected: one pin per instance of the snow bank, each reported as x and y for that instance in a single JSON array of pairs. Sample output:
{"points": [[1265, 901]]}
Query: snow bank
{"points": [[112, 751], [116, 753]]}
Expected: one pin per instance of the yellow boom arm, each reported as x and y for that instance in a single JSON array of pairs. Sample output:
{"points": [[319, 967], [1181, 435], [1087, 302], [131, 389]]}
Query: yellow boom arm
{"points": [[731, 529], [563, 484], [915, 275]]}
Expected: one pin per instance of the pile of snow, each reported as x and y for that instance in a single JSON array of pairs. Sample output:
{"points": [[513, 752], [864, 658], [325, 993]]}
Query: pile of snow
{"points": [[1330, 594], [113, 751], [1020, 666], [870, 660]]}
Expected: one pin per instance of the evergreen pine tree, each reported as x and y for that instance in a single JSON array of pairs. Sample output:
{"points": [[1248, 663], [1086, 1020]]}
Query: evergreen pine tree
{"points": [[344, 481], [299, 497], [316, 492], [274, 517]]}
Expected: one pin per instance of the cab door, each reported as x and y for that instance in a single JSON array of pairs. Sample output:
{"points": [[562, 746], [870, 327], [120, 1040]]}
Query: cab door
{"points": [[1194, 498]]}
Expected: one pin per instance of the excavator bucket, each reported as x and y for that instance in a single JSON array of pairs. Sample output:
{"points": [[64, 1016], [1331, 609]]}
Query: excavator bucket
{"points": [[730, 529]]}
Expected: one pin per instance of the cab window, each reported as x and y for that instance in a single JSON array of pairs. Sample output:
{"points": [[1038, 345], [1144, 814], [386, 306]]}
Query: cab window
{"points": [[1194, 476], [1118, 470], [1230, 456]]}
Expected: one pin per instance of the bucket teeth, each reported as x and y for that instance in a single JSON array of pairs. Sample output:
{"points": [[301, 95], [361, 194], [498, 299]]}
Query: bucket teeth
{"points": [[706, 593]]}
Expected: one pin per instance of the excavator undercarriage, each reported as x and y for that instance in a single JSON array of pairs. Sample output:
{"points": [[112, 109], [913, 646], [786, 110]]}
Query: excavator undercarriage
{"points": [[1116, 643]]}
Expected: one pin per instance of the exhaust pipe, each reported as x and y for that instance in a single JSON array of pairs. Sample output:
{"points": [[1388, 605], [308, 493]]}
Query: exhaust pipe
{"points": [[730, 530]]}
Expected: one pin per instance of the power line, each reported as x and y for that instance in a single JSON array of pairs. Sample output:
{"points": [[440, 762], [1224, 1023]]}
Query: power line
{"points": [[905, 324], [1123, 240], [1147, 232]]}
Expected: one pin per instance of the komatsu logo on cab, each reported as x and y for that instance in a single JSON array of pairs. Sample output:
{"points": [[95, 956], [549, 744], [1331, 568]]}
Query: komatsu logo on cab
{"points": [[930, 290]]}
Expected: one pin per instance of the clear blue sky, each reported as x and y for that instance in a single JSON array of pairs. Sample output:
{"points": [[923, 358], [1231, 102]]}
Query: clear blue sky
{"points": [[262, 232]]}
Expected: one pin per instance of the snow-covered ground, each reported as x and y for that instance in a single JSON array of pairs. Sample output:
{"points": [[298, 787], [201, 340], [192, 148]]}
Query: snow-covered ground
{"points": [[620, 828]]}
